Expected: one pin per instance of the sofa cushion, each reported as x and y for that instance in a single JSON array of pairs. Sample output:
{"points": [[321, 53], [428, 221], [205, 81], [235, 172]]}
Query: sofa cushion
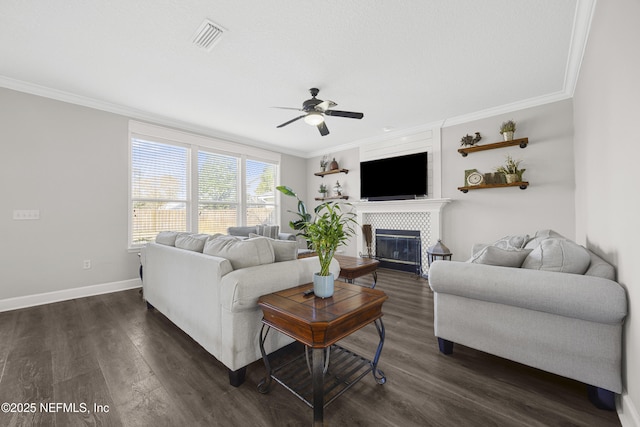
{"points": [[541, 235], [512, 242], [558, 254], [242, 253], [191, 242], [270, 231], [167, 238], [493, 255], [283, 250]]}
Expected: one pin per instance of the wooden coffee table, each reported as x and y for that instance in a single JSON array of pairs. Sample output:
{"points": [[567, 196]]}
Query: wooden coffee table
{"points": [[354, 267], [319, 323]]}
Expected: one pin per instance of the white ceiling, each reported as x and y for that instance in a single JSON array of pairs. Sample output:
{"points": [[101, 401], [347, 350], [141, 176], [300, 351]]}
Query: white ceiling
{"points": [[404, 64]]}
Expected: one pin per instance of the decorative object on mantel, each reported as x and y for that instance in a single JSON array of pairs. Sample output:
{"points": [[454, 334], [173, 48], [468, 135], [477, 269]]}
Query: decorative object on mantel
{"points": [[324, 162], [337, 189], [334, 165], [438, 252], [323, 190], [367, 233], [507, 129], [469, 140], [510, 170]]}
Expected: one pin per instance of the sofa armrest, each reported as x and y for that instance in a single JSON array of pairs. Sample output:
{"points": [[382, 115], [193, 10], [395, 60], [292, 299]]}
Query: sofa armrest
{"points": [[571, 295], [286, 236], [240, 289]]}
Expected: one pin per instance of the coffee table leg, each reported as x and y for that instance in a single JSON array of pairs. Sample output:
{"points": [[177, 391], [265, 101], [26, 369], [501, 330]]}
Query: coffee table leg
{"points": [[318, 386], [378, 375], [263, 386]]}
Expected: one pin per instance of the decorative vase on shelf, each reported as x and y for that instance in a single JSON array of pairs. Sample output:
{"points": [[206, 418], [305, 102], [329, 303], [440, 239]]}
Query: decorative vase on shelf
{"points": [[323, 285], [511, 178], [334, 165], [508, 136]]}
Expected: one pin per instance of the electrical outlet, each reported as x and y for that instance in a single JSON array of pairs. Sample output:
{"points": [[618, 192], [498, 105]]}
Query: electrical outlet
{"points": [[86, 264], [26, 214]]}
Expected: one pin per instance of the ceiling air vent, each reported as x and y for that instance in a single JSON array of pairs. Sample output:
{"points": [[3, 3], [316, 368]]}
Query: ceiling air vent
{"points": [[208, 35]]}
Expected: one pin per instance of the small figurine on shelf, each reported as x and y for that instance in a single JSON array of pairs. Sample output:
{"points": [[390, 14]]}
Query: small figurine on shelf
{"points": [[337, 189], [324, 162]]}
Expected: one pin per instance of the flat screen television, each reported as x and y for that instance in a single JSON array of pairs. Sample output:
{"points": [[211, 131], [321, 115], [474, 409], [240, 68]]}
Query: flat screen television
{"points": [[394, 178]]}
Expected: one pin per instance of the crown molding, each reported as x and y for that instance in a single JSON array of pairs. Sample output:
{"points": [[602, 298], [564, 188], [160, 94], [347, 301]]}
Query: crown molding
{"points": [[132, 113]]}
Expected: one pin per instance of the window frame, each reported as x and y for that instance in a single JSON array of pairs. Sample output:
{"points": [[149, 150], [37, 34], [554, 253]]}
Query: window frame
{"points": [[194, 144]]}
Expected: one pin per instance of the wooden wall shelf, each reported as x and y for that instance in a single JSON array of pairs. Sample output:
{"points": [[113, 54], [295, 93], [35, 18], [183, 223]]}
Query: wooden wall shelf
{"points": [[322, 174], [522, 184], [522, 142], [322, 199]]}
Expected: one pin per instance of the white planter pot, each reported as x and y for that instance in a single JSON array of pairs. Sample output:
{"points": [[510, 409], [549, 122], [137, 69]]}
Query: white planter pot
{"points": [[511, 178], [323, 285], [508, 136]]}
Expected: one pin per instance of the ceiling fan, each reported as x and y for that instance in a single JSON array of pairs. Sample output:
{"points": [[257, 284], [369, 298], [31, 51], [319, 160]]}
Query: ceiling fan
{"points": [[315, 110]]}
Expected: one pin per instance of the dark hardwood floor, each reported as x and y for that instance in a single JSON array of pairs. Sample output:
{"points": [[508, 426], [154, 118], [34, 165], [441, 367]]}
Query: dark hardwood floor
{"points": [[108, 350]]}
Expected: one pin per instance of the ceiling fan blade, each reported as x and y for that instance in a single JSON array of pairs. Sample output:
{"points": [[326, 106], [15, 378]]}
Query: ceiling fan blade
{"points": [[324, 105], [289, 108], [324, 130], [348, 114], [291, 121]]}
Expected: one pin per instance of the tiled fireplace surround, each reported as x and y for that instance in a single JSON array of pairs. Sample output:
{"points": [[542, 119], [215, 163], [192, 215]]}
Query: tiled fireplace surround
{"points": [[423, 215]]}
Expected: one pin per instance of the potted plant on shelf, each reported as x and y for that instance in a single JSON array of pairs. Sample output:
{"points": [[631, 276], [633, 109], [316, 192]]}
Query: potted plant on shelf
{"points": [[323, 190], [507, 129], [510, 170], [330, 229]]}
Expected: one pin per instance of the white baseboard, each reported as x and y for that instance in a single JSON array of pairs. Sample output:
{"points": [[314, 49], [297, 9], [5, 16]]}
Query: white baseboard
{"points": [[67, 294], [627, 412]]}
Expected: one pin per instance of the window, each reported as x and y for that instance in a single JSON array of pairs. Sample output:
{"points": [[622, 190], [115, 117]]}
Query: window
{"points": [[158, 188], [184, 182]]}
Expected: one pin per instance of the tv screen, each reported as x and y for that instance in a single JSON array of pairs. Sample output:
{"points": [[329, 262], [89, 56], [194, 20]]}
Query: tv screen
{"points": [[394, 178]]}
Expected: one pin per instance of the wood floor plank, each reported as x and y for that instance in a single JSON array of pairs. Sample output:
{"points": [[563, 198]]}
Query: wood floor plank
{"points": [[110, 349]]}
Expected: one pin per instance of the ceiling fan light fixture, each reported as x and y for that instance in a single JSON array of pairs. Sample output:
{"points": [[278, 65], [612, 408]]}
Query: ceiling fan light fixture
{"points": [[314, 119]]}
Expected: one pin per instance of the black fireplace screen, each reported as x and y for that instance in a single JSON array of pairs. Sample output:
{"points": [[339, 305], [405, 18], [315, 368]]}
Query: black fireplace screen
{"points": [[399, 250]]}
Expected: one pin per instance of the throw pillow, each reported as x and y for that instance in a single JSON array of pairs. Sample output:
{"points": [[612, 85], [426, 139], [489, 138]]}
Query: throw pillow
{"points": [[270, 231], [558, 254], [540, 236], [492, 255], [167, 238], [283, 250], [512, 242], [241, 253], [191, 242]]}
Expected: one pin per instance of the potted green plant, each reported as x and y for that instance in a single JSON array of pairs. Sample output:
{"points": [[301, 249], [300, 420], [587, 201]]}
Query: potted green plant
{"points": [[507, 129], [330, 229], [323, 190], [304, 216], [511, 170]]}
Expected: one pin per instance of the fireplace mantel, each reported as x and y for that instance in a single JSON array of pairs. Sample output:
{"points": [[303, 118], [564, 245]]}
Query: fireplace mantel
{"points": [[413, 205], [432, 207]]}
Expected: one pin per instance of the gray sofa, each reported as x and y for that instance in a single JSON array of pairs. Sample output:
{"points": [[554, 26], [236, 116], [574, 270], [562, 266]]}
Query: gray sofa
{"points": [[540, 315]]}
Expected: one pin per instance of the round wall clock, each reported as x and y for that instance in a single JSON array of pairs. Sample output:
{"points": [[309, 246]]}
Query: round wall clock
{"points": [[475, 178]]}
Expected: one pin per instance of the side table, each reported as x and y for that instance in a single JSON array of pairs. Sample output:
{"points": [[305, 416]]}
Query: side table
{"points": [[319, 323], [353, 267]]}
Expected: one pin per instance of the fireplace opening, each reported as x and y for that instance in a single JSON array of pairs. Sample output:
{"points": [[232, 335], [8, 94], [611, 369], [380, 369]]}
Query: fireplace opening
{"points": [[399, 250]]}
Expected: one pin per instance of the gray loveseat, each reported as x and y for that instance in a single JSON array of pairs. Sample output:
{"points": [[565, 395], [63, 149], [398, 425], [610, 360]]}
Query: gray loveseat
{"points": [[547, 313]]}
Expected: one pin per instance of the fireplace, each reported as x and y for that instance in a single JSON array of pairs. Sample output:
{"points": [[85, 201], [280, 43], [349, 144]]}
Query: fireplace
{"points": [[399, 249]]}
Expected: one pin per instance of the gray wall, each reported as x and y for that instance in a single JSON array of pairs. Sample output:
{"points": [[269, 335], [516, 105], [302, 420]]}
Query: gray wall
{"points": [[71, 163], [488, 214], [607, 149]]}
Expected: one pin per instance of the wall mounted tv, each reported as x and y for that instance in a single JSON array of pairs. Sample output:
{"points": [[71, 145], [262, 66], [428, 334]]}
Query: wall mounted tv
{"points": [[394, 178]]}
